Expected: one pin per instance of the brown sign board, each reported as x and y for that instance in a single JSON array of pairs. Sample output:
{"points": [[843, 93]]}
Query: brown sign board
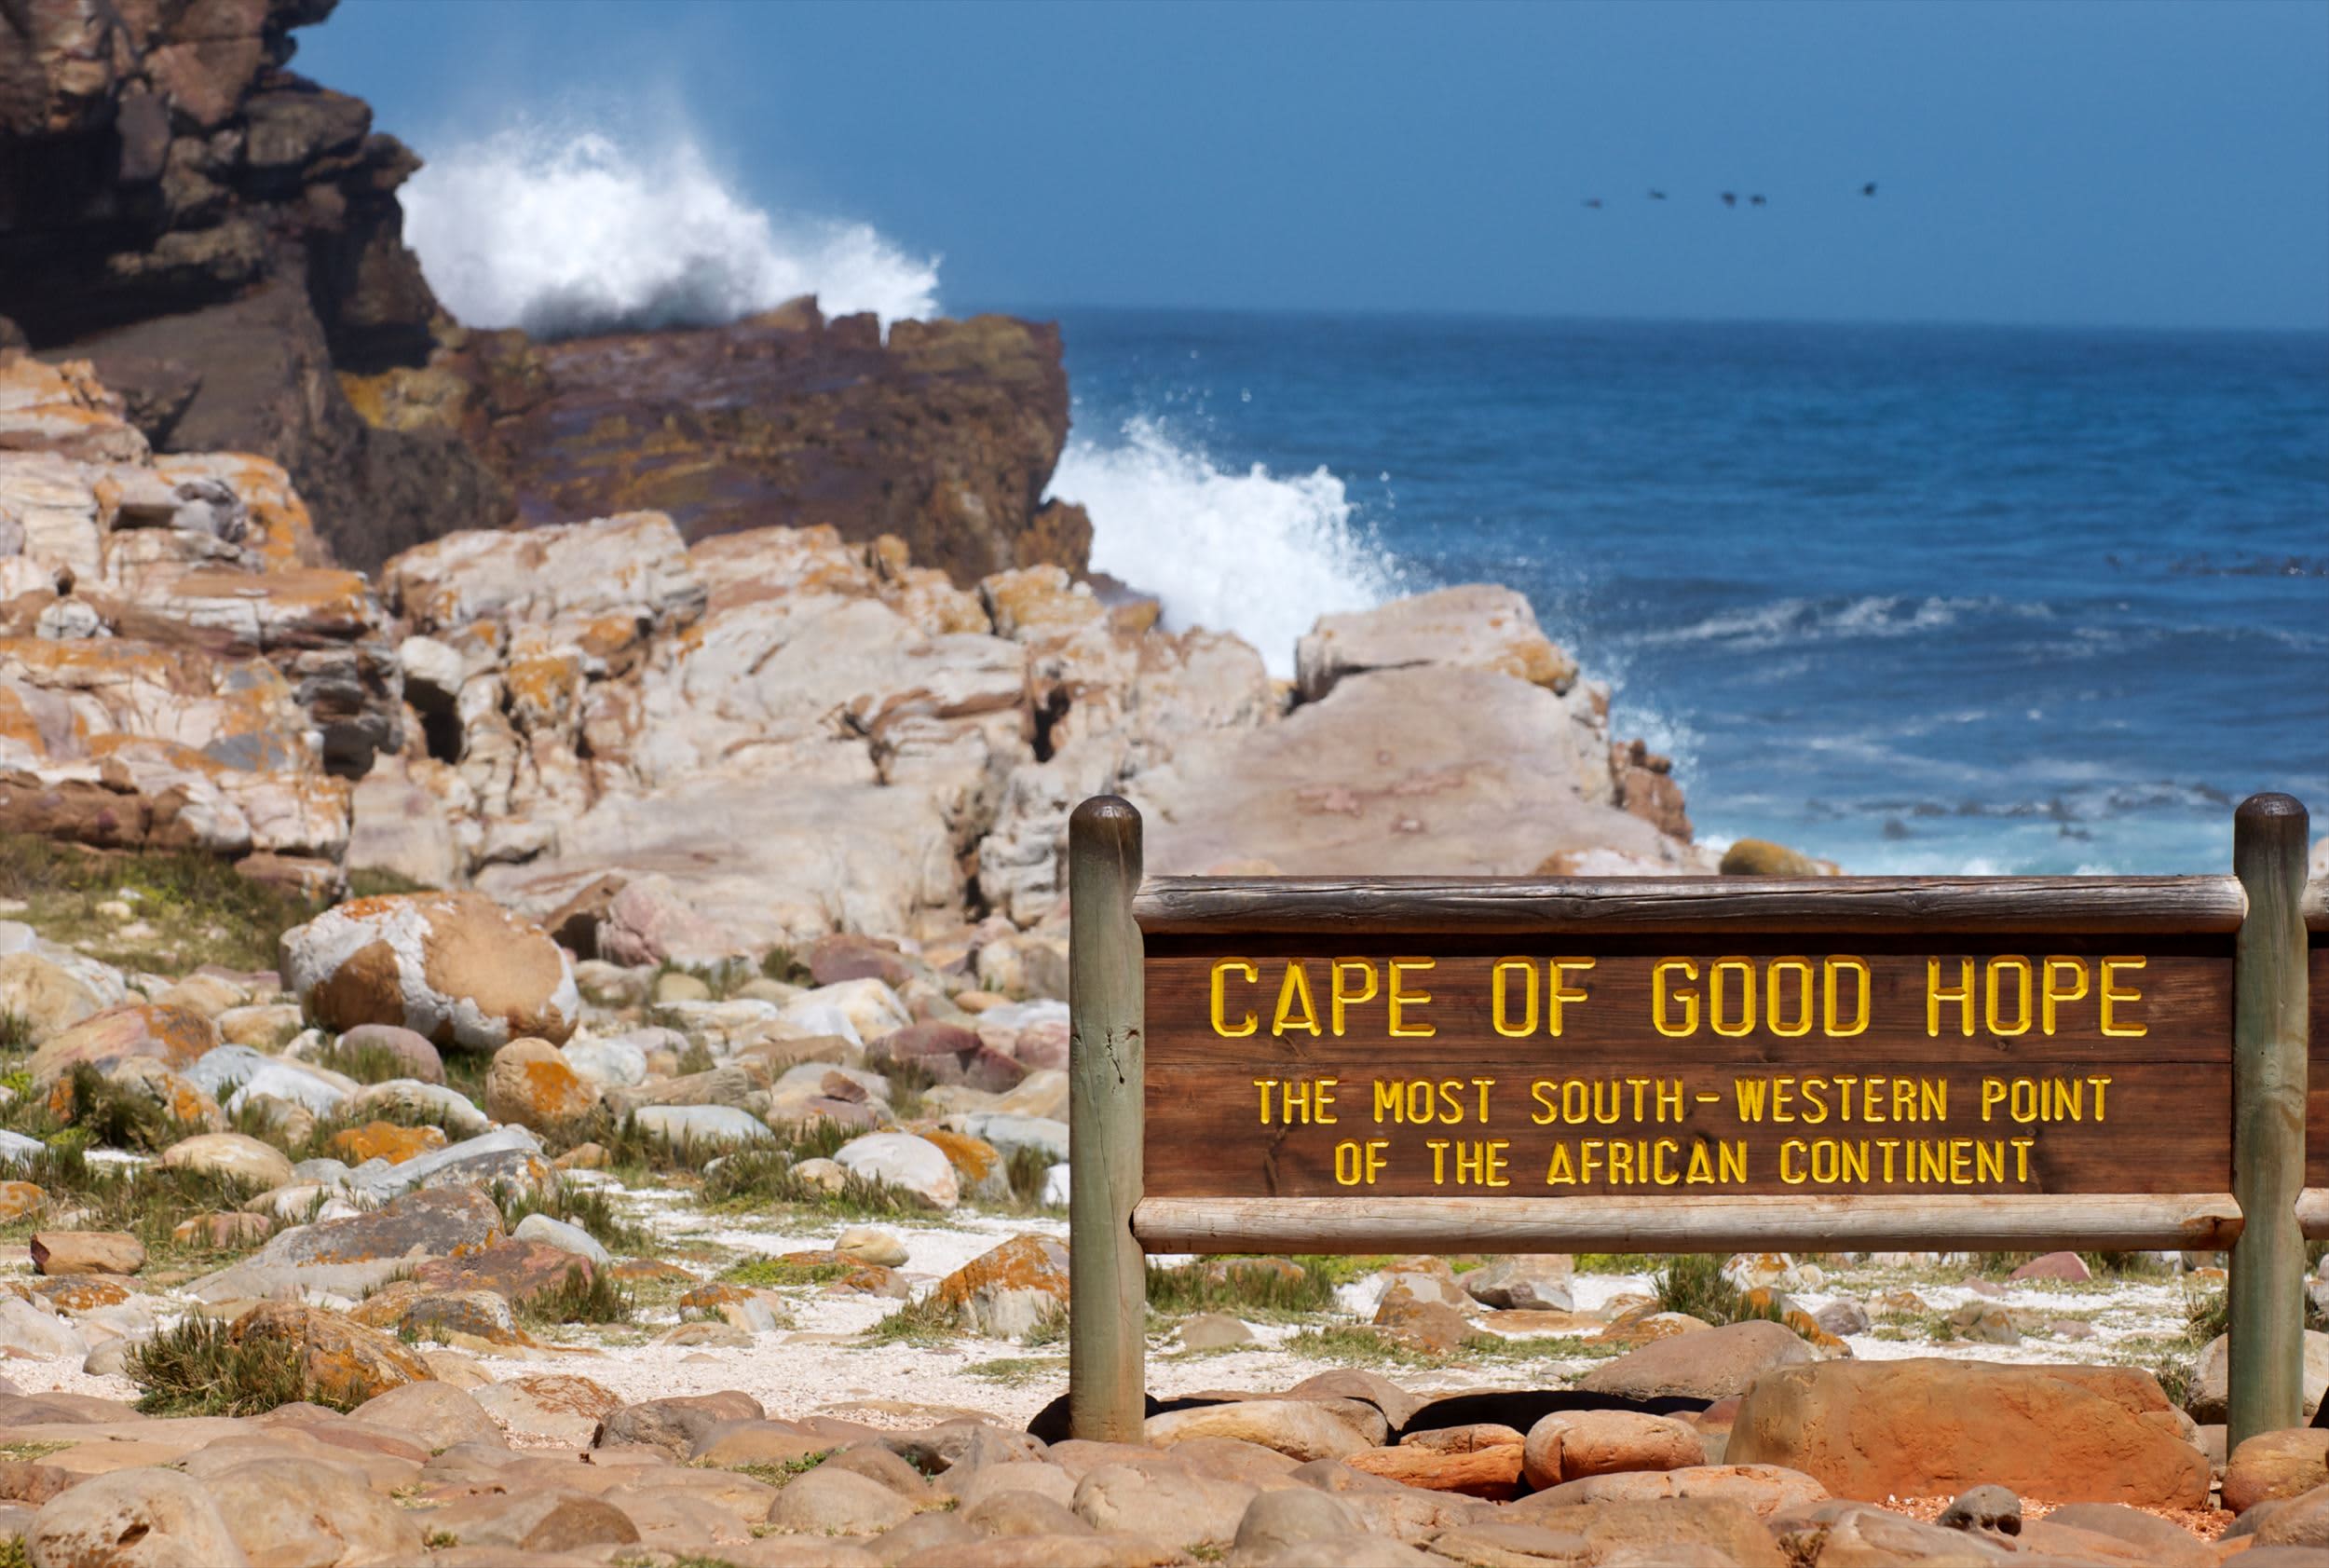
{"points": [[1421, 1063]]}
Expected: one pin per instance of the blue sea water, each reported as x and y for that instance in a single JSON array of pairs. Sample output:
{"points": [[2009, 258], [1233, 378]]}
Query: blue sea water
{"points": [[1918, 599]]}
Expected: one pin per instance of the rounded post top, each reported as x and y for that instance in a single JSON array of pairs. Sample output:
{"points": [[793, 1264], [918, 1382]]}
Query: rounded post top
{"points": [[1106, 818], [2270, 807]]}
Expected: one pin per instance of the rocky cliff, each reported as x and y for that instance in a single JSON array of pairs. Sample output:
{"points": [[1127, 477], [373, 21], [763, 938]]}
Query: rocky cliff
{"points": [[221, 239], [944, 435]]}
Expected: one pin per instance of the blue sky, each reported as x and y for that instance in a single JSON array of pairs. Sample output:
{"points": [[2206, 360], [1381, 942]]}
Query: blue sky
{"points": [[2135, 162]]}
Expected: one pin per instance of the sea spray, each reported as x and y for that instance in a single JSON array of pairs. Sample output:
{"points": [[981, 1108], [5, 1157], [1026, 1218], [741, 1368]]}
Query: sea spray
{"points": [[566, 232], [1257, 553]]}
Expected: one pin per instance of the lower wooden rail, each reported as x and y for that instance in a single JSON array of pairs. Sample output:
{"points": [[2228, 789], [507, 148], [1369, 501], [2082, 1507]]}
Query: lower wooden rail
{"points": [[2189, 1221]]}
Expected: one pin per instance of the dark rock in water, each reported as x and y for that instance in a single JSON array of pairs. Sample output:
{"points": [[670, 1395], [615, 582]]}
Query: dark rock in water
{"points": [[945, 436]]}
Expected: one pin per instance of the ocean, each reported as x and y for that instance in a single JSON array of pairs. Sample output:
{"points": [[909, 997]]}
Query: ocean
{"points": [[1915, 599]]}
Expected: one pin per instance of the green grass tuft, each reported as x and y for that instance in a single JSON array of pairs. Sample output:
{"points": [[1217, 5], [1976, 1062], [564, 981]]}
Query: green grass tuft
{"points": [[1239, 1284], [926, 1321], [584, 1296], [196, 1369]]}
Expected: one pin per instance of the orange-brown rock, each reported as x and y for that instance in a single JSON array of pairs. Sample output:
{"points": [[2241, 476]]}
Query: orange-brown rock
{"points": [[2275, 1465], [454, 967], [20, 1198], [531, 1084], [341, 1362], [78, 1252], [1923, 1428], [177, 1037], [80, 1292], [1493, 1471], [517, 1270], [1569, 1445], [222, 1232], [1008, 1290], [384, 1141]]}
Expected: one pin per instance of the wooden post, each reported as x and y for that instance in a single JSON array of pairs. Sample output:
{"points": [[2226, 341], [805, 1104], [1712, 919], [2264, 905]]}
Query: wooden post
{"points": [[2269, 1048], [1107, 1272]]}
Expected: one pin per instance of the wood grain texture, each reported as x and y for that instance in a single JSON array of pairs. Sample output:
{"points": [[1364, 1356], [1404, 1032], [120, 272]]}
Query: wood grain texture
{"points": [[1522, 905], [2167, 1126], [2317, 1076], [2197, 1222]]}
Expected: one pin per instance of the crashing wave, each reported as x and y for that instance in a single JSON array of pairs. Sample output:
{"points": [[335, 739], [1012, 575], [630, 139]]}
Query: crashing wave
{"points": [[565, 234]]}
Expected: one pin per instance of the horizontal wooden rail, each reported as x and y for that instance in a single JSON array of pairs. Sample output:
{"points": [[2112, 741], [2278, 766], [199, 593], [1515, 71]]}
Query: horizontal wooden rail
{"points": [[1325, 907], [2192, 1221]]}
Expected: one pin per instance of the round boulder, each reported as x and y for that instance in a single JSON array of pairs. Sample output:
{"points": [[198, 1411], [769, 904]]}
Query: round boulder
{"points": [[141, 1517], [454, 967], [531, 1084], [235, 1154], [177, 1037]]}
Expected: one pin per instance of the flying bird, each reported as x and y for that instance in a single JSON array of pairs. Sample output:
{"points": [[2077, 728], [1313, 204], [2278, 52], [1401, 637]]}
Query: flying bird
{"points": [[1869, 189], [1593, 201], [1658, 195], [1730, 198], [1756, 201]]}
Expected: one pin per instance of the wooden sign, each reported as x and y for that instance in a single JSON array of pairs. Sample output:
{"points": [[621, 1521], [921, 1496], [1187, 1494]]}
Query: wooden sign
{"points": [[1692, 1064], [1416, 1064]]}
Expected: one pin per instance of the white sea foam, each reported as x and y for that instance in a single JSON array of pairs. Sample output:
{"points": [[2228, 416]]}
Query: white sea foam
{"points": [[1784, 622], [1257, 553], [564, 231]]}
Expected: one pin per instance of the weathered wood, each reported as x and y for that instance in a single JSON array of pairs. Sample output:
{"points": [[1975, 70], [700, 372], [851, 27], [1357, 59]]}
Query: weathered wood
{"points": [[2199, 1221], [2316, 902], [2268, 1070], [2076, 1110], [1525, 906], [1107, 1275]]}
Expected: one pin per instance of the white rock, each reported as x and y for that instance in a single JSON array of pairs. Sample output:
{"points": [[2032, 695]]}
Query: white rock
{"points": [[26, 1331], [913, 1164], [1055, 1185], [1009, 1133], [616, 1062], [451, 1108], [284, 1081], [565, 1237], [702, 1124]]}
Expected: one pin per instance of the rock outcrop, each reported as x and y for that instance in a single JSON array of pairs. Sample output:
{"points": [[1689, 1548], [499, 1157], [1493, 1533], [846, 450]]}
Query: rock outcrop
{"points": [[220, 237], [176, 670], [944, 435]]}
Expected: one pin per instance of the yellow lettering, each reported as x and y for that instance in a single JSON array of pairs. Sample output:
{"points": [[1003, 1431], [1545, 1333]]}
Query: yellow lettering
{"points": [[2019, 967], [1537, 1093], [1560, 990], [1499, 1012], [1772, 1020], [1221, 968], [1342, 996], [1561, 1172], [1701, 1172], [1688, 998], [1752, 1096], [1294, 989], [1265, 1086], [1659, 1171], [1935, 994], [1863, 987], [1401, 1000], [1439, 1147], [1746, 972], [1788, 1152], [2051, 994], [2110, 998]]}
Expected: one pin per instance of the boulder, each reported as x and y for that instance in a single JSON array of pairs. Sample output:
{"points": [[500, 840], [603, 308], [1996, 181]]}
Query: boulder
{"points": [[48, 997], [454, 967], [543, 1230], [2210, 1397], [1405, 772], [1710, 1364], [176, 1037], [1006, 1291], [901, 1159], [433, 1414], [1919, 1427], [1475, 626], [868, 1246], [1297, 1428], [1529, 1282], [538, 1518], [2273, 1464], [702, 1125], [79, 1252], [1668, 1532], [231, 1154], [1167, 1505], [516, 1271], [1569, 1445], [413, 1056], [26, 1331], [386, 1141], [296, 1511], [531, 1086], [828, 1501], [549, 1408], [340, 1360], [678, 1425], [138, 1518]]}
